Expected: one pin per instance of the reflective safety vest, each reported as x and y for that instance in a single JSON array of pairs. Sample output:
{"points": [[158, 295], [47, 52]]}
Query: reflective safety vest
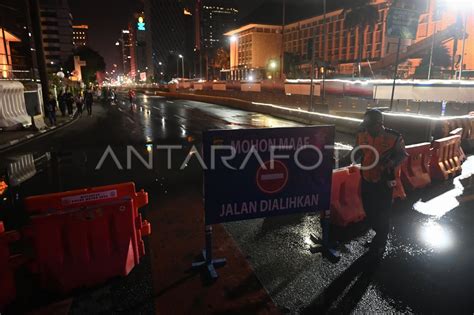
{"points": [[383, 144]]}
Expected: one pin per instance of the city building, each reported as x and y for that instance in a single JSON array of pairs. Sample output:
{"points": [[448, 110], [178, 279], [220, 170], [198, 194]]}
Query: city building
{"points": [[126, 46], [167, 34], [80, 35], [217, 18], [212, 18], [6, 66], [171, 33], [340, 51], [139, 60], [56, 28], [253, 49]]}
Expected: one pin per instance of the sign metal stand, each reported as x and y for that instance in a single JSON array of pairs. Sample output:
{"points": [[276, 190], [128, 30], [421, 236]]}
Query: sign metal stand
{"points": [[208, 262], [324, 246]]}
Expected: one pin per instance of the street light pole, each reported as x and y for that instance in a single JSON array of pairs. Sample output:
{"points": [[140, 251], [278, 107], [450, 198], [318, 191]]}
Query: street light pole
{"points": [[182, 64], [323, 92], [282, 57], [463, 45], [431, 51], [311, 99]]}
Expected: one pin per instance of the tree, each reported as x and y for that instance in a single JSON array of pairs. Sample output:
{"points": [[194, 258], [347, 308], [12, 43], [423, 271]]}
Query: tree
{"points": [[292, 64], [221, 59], [441, 58], [94, 62], [359, 14]]}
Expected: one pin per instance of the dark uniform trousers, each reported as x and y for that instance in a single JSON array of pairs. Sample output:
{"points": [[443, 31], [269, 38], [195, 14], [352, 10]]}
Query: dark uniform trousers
{"points": [[377, 201]]}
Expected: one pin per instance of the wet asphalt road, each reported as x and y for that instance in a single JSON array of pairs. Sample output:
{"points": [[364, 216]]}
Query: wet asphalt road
{"points": [[427, 268]]}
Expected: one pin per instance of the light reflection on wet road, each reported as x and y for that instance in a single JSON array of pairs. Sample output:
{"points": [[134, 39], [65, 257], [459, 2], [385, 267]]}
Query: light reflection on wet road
{"points": [[428, 267]]}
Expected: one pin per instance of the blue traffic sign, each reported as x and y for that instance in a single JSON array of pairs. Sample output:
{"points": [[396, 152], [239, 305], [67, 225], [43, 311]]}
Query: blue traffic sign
{"points": [[253, 173]]}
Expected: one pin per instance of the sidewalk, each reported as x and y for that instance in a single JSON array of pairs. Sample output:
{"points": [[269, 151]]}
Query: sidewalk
{"points": [[9, 139]]}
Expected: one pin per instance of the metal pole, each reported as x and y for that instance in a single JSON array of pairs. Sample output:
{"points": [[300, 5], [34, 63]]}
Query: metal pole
{"points": [[311, 88], [395, 73], [463, 45], [177, 67], [323, 92], [38, 40], [431, 51], [182, 66], [282, 56]]}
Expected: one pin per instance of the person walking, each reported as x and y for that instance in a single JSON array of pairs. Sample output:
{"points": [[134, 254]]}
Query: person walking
{"points": [[381, 151], [62, 103], [79, 104], [51, 109], [89, 100], [131, 97], [69, 102]]}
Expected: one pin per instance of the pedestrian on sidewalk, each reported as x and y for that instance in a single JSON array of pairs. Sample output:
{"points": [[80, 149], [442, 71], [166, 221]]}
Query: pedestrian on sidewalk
{"points": [[69, 102], [89, 100], [381, 151], [79, 104], [131, 97], [51, 109], [62, 103]]}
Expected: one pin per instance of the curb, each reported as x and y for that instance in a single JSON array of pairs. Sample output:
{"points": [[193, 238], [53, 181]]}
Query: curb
{"points": [[36, 135]]}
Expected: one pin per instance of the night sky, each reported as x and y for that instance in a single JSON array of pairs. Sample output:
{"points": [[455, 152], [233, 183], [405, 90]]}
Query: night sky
{"points": [[106, 18]]}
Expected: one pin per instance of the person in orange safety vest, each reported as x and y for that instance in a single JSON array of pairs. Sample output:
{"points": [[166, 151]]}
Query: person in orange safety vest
{"points": [[380, 150]]}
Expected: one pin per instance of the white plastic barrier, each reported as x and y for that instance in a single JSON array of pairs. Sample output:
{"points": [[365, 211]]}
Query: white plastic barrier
{"points": [[219, 87], [21, 170], [302, 89], [12, 105], [251, 87], [34, 104]]}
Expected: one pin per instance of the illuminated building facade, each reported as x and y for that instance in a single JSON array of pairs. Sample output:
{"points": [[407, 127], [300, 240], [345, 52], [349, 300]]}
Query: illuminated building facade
{"points": [[170, 27], [80, 35], [378, 50], [217, 17], [57, 32]]}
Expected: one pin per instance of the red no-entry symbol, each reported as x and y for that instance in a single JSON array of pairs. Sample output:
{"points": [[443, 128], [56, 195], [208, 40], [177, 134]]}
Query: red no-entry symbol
{"points": [[270, 179]]}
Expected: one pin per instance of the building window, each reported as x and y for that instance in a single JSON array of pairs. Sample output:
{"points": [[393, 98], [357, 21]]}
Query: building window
{"points": [[49, 23]]}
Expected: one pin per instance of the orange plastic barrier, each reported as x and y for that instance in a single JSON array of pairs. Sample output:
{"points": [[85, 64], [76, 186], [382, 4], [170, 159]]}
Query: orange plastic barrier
{"points": [[7, 276], [346, 202], [84, 237], [399, 190], [3, 187], [459, 132], [416, 170], [84, 198], [445, 159]]}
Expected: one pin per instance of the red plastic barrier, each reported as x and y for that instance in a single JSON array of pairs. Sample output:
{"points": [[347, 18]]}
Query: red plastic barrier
{"points": [[445, 159], [346, 202], [87, 237], [7, 275], [416, 170], [459, 132], [399, 190], [84, 198]]}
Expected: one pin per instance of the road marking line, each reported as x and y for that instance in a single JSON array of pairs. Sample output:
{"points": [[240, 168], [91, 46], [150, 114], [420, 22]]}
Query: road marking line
{"points": [[171, 102], [30, 136], [272, 176], [131, 120], [120, 109]]}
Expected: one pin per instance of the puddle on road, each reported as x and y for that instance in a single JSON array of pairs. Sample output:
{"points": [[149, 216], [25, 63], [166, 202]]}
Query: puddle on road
{"points": [[463, 191]]}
